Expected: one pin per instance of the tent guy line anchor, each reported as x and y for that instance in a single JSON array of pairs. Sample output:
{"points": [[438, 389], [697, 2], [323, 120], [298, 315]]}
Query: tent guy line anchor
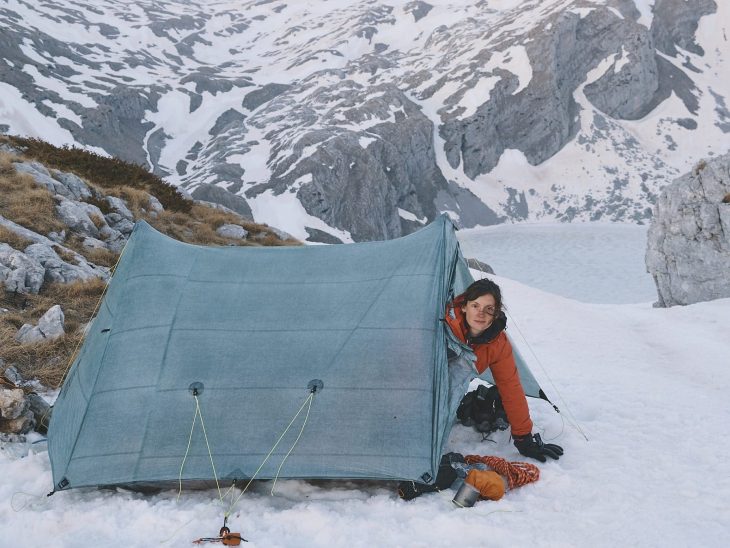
{"points": [[314, 386], [196, 389]]}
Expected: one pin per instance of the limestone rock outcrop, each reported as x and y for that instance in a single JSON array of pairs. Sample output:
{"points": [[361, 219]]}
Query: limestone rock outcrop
{"points": [[688, 245], [21, 410], [49, 327]]}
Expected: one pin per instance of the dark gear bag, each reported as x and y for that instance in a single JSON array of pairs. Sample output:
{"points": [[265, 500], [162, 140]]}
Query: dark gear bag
{"points": [[482, 408]]}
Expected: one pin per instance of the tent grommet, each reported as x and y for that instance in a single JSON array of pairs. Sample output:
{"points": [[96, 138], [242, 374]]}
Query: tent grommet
{"points": [[196, 388], [315, 385]]}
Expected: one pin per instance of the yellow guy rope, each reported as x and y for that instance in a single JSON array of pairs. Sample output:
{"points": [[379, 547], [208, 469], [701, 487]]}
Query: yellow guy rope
{"points": [[198, 413], [221, 496], [307, 401], [306, 418]]}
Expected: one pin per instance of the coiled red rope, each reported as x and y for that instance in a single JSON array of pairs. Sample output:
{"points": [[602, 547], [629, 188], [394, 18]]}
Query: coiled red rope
{"points": [[517, 473]]}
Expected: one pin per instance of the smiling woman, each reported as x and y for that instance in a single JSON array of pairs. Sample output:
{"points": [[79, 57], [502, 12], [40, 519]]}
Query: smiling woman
{"points": [[475, 318], [481, 308], [480, 314]]}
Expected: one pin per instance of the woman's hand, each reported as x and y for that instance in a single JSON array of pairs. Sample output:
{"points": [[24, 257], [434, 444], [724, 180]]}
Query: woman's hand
{"points": [[532, 446]]}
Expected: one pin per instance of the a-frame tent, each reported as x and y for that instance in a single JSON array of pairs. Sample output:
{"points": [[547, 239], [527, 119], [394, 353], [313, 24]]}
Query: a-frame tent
{"points": [[249, 331]]}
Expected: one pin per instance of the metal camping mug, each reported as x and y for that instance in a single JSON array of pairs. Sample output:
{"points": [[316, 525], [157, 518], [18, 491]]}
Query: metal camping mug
{"points": [[466, 496]]}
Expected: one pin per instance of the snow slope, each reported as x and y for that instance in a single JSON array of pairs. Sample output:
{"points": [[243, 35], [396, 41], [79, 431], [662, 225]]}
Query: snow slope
{"points": [[646, 386]]}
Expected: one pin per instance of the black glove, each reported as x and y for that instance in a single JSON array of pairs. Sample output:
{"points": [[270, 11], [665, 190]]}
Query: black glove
{"points": [[451, 459], [409, 490], [532, 446], [446, 475]]}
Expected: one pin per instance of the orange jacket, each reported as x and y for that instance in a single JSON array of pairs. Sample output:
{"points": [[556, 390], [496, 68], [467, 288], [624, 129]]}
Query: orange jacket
{"points": [[496, 355]]}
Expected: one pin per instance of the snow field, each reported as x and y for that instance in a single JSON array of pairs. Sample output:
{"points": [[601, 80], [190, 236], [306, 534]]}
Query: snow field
{"points": [[645, 385]]}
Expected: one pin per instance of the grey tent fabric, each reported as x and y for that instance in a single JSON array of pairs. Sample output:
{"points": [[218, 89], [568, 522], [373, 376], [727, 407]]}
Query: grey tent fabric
{"points": [[251, 328]]}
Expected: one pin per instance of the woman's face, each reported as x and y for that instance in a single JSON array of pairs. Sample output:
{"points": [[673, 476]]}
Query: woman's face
{"points": [[479, 314]]}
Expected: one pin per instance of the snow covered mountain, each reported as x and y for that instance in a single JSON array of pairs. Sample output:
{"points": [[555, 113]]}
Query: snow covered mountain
{"points": [[348, 120]]}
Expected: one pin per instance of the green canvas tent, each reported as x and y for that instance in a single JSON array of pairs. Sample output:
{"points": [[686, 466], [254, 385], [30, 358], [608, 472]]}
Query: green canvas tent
{"points": [[247, 332]]}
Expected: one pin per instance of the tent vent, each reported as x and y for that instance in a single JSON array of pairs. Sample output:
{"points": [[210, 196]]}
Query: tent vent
{"points": [[315, 385], [196, 388]]}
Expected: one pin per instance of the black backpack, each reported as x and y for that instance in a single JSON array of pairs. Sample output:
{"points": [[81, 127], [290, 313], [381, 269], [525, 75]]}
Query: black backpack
{"points": [[482, 408]]}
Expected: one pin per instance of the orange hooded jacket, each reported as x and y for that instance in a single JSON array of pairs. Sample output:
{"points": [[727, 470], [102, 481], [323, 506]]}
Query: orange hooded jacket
{"points": [[496, 354]]}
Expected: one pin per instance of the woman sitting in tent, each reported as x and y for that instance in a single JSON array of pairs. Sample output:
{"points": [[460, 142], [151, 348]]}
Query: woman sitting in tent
{"points": [[476, 318]]}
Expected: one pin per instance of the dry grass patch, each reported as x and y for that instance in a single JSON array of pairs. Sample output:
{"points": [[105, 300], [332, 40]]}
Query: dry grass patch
{"points": [[14, 240], [65, 254], [214, 217], [271, 239], [95, 200], [197, 227], [27, 204], [138, 201], [78, 300], [101, 170], [174, 225], [98, 221], [47, 361], [101, 257], [12, 320], [98, 256], [6, 164]]}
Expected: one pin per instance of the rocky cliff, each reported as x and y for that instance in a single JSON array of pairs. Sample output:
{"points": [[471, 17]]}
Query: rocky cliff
{"points": [[688, 245]]}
